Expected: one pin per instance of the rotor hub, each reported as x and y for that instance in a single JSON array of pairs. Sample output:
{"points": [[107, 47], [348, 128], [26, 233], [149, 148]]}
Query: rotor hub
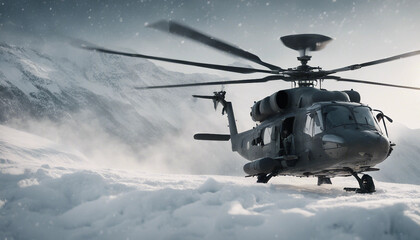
{"points": [[304, 59]]}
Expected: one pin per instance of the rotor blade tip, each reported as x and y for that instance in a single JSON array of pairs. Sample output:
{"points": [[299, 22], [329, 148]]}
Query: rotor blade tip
{"points": [[160, 25]]}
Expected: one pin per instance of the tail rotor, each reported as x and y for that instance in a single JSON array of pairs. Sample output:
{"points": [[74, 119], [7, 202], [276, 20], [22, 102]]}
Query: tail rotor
{"points": [[218, 97]]}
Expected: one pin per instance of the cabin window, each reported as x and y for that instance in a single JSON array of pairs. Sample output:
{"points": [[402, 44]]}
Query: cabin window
{"points": [[267, 135]]}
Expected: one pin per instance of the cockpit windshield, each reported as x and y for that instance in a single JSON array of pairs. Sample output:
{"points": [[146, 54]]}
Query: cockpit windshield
{"points": [[364, 116], [337, 115]]}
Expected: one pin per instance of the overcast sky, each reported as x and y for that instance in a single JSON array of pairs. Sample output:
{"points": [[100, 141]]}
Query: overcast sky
{"points": [[362, 31]]}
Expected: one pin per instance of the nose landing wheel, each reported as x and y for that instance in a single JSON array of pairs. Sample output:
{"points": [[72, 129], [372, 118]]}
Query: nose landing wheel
{"points": [[365, 183]]}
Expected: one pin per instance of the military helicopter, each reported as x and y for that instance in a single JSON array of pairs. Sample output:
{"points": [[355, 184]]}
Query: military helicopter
{"points": [[303, 131]]}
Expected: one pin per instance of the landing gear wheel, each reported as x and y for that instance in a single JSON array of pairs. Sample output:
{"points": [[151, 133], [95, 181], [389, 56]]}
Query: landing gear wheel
{"points": [[264, 178], [365, 183]]}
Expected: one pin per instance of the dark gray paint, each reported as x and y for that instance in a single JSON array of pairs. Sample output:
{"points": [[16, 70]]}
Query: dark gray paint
{"points": [[316, 155]]}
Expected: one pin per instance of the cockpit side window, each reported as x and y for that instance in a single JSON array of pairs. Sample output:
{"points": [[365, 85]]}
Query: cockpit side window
{"points": [[314, 124], [309, 125], [318, 124]]}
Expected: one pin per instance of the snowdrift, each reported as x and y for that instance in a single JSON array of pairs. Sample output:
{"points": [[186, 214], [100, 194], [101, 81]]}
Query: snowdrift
{"points": [[48, 191]]}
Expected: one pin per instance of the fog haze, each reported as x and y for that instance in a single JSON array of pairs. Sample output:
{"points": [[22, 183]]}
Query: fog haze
{"points": [[362, 31]]}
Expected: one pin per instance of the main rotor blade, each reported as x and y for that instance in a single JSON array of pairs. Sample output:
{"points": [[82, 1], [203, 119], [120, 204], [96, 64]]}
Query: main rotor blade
{"points": [[258, 80], [184, 31], [383, 60], [89, 47], [371, 83]]}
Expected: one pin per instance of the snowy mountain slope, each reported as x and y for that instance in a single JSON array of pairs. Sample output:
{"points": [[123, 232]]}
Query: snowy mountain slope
{"points": [[87, 101], [37, 85], [403, 166], [54, 192]]}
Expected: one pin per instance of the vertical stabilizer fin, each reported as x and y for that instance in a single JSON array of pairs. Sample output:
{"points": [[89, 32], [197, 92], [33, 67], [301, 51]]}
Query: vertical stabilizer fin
{"points": [[219, 97]]}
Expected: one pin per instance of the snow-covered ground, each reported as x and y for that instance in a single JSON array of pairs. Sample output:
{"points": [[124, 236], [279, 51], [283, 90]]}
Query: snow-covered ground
{"points": [[48, 191]]}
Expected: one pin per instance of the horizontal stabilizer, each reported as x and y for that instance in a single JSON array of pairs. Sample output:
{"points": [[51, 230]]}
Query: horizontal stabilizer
{"points": [[212, 137], [205, 97]]}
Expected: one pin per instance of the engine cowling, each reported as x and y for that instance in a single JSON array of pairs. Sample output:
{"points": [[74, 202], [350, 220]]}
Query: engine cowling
{"points": [[353, 95], [270, 105]]}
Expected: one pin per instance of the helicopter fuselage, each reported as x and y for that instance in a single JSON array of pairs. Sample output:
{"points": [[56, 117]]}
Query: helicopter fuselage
{"points": [[306, 146], [325, 138]]}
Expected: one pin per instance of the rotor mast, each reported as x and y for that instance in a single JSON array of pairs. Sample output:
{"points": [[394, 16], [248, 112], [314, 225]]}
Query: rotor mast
{"points": [[304, 43], [305, 68]]}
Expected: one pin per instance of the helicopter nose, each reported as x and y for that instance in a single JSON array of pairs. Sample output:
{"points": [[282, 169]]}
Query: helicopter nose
{"points": [[368, 146], [362, 147]]}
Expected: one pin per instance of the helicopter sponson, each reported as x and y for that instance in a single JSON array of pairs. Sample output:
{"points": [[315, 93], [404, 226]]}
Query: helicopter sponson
{"points": [[291, 99]]}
